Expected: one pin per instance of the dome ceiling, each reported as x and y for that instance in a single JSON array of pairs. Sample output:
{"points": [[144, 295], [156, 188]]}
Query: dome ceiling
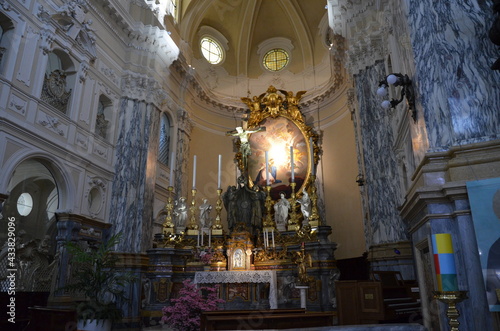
{"points": [[247, 29]]}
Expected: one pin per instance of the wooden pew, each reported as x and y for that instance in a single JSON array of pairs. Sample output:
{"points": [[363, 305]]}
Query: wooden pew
{"points": [[263, 319], [386, 298]]}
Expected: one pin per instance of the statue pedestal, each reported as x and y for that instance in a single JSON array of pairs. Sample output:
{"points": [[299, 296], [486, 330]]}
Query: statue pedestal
{"points": [[303, 301]]}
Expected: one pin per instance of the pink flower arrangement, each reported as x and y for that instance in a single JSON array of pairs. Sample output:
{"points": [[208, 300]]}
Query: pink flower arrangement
{"points": [[185, 312], [204, 256]]}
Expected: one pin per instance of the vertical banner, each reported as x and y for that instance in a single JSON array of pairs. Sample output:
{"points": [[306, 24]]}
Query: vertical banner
{"points": [[444, 262], [484, 197]]}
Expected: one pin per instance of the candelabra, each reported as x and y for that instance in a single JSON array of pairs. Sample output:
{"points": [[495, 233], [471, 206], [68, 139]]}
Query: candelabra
{"points": [[314, 218], [293, 221], [268, 222], [217, 226], [451, 298], [192, 228], [168, 225]]}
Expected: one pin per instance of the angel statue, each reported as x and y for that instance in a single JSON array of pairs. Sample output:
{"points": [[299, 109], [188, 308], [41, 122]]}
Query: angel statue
{"points": [[293, 104], [205, 209], [305, 207], [256, 114], [303, 260]]}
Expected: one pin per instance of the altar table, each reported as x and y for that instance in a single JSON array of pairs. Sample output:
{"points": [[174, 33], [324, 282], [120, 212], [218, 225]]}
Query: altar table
{"points": [[246, 276]]}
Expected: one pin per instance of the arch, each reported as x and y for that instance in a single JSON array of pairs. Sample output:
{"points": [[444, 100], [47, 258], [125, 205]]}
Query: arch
{"points": [[62, 177]]}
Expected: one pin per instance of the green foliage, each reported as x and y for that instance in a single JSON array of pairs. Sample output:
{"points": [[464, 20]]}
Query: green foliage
{"points": [[94, 276]]}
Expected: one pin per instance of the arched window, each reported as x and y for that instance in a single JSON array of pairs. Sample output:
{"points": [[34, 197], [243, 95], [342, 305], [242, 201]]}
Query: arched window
{"points": [[6, 33], [59, 78], [32, 201], [104, 115], [165, 138]]}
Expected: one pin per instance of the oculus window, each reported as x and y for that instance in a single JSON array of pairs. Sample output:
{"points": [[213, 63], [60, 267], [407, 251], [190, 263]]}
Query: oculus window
{"points": [[211, 50], [275, 59]]}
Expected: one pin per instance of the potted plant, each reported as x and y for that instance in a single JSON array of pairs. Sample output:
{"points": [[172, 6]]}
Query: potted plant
{"points": [[95, 277], [185, 312]]}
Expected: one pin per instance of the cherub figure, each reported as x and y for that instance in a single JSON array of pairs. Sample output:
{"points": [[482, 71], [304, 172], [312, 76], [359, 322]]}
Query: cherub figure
{"points": [[255, 106], [292, 102]]}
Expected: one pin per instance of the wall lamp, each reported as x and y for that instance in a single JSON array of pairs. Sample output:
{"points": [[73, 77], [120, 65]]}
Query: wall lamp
{"points": [[406, 91], [360, 179]]}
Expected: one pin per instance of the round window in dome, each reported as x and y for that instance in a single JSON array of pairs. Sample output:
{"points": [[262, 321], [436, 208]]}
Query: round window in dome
{"points": [[275, 59], [211, 50]]}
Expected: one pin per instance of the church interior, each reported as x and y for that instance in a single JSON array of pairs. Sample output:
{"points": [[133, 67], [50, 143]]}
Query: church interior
{"points": [[258, 164]]}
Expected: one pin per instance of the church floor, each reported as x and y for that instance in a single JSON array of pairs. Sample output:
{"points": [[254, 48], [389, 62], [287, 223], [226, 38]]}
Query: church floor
{"points": [[371, 327]]}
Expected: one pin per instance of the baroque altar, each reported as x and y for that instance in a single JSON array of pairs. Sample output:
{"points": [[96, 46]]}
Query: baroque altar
{"points": [[273, 244]]}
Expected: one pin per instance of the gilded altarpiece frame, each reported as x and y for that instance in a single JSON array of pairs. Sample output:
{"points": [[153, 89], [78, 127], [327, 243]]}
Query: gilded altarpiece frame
{"points": [[278, 112]]}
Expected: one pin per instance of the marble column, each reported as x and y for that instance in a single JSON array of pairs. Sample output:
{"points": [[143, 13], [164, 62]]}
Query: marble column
{"points": [[456, 88], [131, 210]]}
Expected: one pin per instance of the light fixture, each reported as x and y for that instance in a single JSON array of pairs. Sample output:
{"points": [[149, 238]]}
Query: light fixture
{"points": [[360, 179], [405, 83]]}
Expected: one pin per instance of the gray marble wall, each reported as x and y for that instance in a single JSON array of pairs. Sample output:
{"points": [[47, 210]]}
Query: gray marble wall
{"points": [[381, 173], [455, 86], [133, 184]]}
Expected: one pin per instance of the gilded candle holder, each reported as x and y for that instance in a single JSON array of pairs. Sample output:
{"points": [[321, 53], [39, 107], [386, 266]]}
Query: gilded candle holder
{"points": [[217, 226], [314, 218], [293, 221], [451, 298], [193, 227], [168, 225]]}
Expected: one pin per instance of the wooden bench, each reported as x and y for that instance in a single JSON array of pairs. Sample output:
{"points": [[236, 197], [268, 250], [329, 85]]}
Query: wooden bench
{"points": [[263, 319]]}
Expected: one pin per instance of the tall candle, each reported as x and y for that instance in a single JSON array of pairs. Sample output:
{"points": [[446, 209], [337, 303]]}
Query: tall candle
{"points": [[312, 155], [444, 262], [172, 166], [267, 169], [218, 171], [194, 172], [291, 164]]}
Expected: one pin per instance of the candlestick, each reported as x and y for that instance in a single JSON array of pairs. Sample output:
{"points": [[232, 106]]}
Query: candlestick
{"points": [[219, 170], [291, 164], [193, 224], [172, 166], [267, 169], [168, 225], [314, 217], [217, 226], [451, 298], [272, 234], [194, 172], [209, 238], [293, 221]]}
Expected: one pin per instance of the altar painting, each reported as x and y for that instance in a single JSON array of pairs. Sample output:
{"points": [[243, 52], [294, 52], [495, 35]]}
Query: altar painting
{"points": [[280, 134]]}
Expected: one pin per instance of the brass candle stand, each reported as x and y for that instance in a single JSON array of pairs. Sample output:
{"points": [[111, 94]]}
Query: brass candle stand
{"points": [[217, 226], [192, 228], [314, 218], [268, 222], [168, 225], [293, 221], [451, 298]]}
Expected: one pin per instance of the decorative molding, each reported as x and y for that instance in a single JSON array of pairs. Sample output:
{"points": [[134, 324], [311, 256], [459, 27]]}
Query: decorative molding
{"points": [[17, 104], [51, 123], [82, 140]]}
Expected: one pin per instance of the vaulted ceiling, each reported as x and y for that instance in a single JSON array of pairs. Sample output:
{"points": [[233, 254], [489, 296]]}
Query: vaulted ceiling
{"points": [[248, 25]]}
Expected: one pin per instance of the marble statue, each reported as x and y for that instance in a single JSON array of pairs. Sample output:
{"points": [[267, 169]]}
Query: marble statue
{"points": [[180, 214], [305, 207], [281, 208]]}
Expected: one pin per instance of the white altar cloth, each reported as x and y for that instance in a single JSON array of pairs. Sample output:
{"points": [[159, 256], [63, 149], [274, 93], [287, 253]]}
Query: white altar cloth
{"points": [[247, 276]]}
